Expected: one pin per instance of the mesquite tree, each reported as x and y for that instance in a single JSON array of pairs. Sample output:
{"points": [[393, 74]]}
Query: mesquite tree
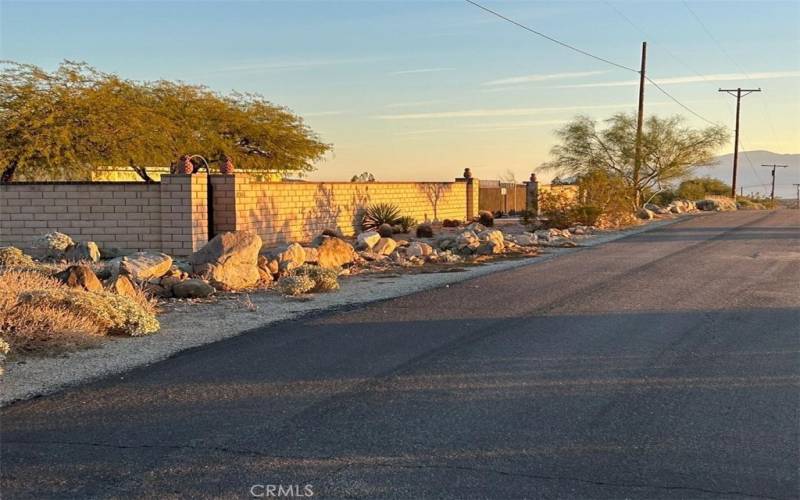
{"points": [[670, 151], [67, 123]]}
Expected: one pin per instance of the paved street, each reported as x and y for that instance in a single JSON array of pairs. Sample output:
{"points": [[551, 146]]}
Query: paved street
{"points": [[663, 365]]}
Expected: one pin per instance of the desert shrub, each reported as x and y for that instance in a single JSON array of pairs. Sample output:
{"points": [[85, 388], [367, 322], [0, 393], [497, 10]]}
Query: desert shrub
{"points": [[14, 257], [556, 207], [424, 231], [379, 213], [609, 195], [39, 313], [386, 230], [325, 280], [699, 187], [486, 218], [406, 222], [295, 284], [586, 214]]}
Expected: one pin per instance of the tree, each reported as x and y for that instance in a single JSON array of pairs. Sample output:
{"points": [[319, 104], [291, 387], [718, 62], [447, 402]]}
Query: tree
{"points": [[670, 151], [363, 177], [70, 122], [697, 188]]}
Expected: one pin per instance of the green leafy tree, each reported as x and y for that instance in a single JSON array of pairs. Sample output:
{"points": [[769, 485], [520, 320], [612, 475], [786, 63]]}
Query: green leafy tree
{"points": [[670, 151], [68, 123], [697, 188]]}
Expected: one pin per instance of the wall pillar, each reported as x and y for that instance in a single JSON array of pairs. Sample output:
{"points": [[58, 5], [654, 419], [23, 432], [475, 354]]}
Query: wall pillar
{"points": [[184, 213], [473, 191], [532, 196]]}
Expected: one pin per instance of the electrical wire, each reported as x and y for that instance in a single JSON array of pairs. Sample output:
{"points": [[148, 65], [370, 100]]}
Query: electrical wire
{"points": [[554, 40]]}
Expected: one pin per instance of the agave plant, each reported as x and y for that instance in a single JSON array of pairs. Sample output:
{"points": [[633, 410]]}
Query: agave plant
{"points": [[406, 222], [379, 213]]}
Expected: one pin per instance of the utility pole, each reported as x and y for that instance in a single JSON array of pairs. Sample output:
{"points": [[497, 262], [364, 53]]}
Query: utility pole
{"points": [[738, 94], [798, 194], [773, 166], [637, 159]]}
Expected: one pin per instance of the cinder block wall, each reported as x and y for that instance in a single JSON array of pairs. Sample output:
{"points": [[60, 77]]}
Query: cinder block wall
{"points": [[298, 211], [112, 214]]}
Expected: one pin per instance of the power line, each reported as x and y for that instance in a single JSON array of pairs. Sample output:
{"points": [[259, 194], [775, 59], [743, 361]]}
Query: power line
{"points": [[554, 40], [571, 47], [733, 61]]}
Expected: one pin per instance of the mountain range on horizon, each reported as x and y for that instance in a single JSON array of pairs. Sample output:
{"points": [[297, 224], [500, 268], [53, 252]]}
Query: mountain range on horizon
{"points": [[754, 178]]}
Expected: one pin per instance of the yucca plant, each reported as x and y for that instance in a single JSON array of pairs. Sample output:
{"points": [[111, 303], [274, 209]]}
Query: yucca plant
{"points": [[406, 222], [379, 213]]}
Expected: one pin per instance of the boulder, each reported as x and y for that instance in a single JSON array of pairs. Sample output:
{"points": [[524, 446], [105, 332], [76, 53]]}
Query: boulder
{"points": [[418, 249], [53, 244], [122, 285], [385, 246], [446, 242], [311, 254], [476, 227], [142, 266], [490, 248], [293, 257], [335, 252], [85, 250], [424, 231], [80, 276], [368, 239], [467, 239], [192, 289], [542, 234], [645, 214], [493, 235], [525, 239], [230, 260]]}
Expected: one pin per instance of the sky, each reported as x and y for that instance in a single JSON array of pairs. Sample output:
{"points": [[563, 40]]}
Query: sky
{"points": [[419, 90]]}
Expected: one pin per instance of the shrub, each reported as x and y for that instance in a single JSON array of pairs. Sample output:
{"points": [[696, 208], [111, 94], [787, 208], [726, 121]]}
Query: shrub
{"points": [[295, 284], [406, 222], [325, 280], [378, 214], [39, 313], [424, 231], [386, 230], [610, 195], [699, 187], [13, 257], [486, 218]]}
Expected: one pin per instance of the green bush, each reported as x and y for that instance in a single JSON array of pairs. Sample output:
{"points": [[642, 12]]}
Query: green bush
{"points": [[379, 213], [698, 187], [406, 222]]}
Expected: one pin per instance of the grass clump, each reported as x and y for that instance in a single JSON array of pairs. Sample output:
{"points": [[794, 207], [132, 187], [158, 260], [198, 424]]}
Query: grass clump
{"points": [[40, 314]]}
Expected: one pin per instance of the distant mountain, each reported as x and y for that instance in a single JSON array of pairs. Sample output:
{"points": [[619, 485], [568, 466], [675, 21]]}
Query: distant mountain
{"points": [[757, 178]]}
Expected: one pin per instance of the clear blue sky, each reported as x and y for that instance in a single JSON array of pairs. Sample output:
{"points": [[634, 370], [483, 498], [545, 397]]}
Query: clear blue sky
{"points": [[417, 89]]}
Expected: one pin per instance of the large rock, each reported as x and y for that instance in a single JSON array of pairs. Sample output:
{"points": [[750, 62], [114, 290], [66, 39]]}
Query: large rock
{"points": [[53, 244], [230, 260], [335, 252], [645, 214], [368, 239], [122, 285], [490, 248], [418, 249], [80, 276], [467, 239], [192, 289], [493, 235], [525, 239], [293, 257], [85, 250], [142, 266], [311, 254], [385, 246]]}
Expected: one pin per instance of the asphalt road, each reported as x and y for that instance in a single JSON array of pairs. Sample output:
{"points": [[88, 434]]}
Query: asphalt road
{"points": [[663, 365]]}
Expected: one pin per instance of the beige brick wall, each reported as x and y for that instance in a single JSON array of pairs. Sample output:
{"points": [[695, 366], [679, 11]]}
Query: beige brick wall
{"points": [[113, 214], [172, 216], [287, 211]]}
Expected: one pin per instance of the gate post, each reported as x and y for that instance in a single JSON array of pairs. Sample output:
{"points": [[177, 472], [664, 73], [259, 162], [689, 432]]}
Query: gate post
{"points": [[532, 196]]}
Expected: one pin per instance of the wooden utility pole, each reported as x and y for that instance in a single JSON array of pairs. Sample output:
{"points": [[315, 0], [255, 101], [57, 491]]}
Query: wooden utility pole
{"points": [[798, 194], [738, 94], [637, 159], [773, 166]]}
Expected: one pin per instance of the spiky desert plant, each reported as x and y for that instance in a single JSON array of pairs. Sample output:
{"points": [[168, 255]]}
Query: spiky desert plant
{"points": [[406, 222], [325, 280], [380, 213]]}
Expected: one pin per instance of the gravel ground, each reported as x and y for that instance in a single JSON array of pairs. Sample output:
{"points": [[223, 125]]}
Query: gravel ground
{"points": [[185, 325]]}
